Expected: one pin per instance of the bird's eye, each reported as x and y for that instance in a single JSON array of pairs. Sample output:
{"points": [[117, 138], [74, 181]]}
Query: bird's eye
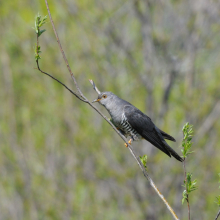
{"points": [[104, 96]]}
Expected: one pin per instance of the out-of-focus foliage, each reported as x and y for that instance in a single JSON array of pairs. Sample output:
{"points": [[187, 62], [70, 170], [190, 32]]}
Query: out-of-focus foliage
{"points": [[58, 158]]}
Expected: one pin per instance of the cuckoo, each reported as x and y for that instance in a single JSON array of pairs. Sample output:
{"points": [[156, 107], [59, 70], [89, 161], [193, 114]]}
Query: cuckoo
{"points": [[130, 121]]}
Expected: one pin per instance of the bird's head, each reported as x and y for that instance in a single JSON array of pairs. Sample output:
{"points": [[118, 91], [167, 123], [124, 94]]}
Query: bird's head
{"points": [[105, 98]]}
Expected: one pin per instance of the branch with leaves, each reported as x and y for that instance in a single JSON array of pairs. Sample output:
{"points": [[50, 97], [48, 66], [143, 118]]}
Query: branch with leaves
{"points": [[189, 184], [38, 24]]}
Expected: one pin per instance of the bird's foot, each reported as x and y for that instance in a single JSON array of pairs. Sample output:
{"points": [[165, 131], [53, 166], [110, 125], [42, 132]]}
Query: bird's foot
{"points": [[130, 141]]}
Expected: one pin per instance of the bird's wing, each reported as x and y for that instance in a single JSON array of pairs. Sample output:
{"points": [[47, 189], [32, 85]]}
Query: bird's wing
{"points": [[145, 127]]}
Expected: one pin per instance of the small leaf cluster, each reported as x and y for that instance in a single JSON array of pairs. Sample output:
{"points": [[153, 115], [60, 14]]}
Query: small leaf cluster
{"points": [[187, 139], [189, 186], [217, 201], [37, 51], [39, 22], [144, 160]]}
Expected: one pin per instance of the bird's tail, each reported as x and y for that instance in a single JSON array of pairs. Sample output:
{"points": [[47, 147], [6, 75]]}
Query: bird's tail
{"points": [[173, 152], [167, 136]]}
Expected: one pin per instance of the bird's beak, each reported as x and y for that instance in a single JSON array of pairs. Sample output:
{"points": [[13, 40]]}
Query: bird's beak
{"points": [[96, 100]]}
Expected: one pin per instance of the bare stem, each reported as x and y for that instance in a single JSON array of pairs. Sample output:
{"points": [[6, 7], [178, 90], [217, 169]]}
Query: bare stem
{"points": [[84, 99]]}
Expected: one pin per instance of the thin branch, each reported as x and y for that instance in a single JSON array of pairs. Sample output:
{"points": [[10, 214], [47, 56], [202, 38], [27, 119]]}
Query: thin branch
{"points": [[61, 49], [217, 215], [94, 86], [38, 67], [187, 199], [75, 94], [117, 131]]}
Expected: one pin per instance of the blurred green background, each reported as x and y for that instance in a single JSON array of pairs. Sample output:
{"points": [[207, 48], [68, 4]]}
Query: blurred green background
{"points": [[58, 158]]}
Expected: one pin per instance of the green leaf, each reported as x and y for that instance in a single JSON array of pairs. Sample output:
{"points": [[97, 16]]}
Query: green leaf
{"points": [[37, 51], [185, 196], [144, 160], [41, 32]]}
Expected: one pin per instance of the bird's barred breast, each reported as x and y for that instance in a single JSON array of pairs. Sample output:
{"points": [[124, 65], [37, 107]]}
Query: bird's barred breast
{"points": [[127, 128]]}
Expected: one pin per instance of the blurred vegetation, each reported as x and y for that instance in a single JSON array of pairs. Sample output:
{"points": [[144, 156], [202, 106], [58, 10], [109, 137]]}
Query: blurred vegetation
{"points": [[59, 159]]}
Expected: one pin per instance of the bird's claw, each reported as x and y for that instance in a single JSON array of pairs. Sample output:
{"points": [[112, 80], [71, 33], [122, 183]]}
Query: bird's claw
{"points": [[126, 145]]}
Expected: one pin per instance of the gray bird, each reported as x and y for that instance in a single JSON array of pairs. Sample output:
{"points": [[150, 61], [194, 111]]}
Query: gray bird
{"points": [[132, 122]]}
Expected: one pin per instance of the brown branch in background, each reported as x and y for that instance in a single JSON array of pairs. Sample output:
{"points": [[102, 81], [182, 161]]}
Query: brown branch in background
{"points": [[141, 16], [148, 51], [84, 99], [208, 122], [170, 79], [217, 215], [169, 86], [166, 94]]}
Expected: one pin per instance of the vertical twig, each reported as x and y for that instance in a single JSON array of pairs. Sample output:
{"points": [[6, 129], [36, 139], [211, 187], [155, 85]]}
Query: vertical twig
{"points": [[190, 185], [187, 199]]}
